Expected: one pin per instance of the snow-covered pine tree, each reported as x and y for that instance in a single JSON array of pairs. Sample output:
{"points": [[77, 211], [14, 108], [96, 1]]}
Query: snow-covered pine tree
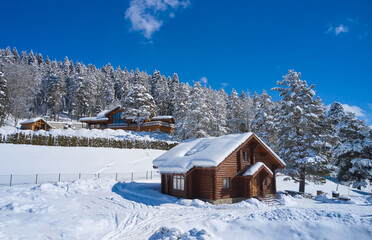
{"points": [[161, 96], [16, 57], [218, 120], [262, 125], [82, 94], [304, 139], [198, 115], [180, 110], [155, 78], [173, 93], [4, 100], [106, 86], [139, 104], [353, 155], [247, 115], [234, 111], [118, 82]]}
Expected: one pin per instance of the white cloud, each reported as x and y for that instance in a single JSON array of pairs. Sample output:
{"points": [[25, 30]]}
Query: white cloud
{"points": [[339, 29], [224, 84], [354, 109], [147, 16], [204, 80]]}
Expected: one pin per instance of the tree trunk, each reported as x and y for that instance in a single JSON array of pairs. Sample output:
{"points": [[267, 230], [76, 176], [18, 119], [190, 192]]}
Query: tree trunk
{"points": [[302, 183]]}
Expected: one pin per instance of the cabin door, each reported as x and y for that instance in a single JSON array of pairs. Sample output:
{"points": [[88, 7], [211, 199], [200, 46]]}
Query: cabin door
{"points": [[254, 187]]}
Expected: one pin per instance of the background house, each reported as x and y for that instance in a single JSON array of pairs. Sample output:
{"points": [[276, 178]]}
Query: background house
{"points": [[113, 119], [35, 124], [222, 169]]}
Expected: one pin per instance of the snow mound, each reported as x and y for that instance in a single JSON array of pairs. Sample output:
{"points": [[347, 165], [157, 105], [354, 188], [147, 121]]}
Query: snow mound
{"points": [[286, 200], [194, 203], [165, 233], [251, 203]]}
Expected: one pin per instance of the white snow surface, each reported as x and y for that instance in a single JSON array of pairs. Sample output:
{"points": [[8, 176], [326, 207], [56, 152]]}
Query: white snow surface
{"points": [[31, 159], [254, 168], [105, 209], [201, 152]]}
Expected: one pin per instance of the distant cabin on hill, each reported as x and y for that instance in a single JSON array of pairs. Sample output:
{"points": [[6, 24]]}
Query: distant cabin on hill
{"points": [[222, 169], [35, 124], [113, 119]]}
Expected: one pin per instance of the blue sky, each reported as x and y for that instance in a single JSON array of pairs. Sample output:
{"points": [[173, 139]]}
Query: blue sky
{"points": [[235, 44]]}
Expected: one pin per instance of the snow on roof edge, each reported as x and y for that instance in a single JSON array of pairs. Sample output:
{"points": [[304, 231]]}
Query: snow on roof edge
{"points": [[93, 119], [104, 112], [254, 168]]}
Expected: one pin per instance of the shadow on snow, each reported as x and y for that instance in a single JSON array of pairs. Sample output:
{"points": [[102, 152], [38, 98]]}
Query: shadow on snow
{"points": [[145, 193]]}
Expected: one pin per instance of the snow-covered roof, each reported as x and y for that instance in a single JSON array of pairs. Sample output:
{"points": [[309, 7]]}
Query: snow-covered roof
{"points": [[105, 112], [100, 116], [202, 152], [32, 120], [93, 119], [162, 117], [254, 168]]}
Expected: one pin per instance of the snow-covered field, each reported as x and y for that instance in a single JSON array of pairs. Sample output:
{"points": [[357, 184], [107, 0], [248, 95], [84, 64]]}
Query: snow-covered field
{"points": [[105, 209], [30, 159]]}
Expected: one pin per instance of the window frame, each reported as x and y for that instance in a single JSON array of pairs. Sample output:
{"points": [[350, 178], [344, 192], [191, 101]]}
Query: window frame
{"points": [[245, 157], [179, 182], [117, 118], [226, 183]]}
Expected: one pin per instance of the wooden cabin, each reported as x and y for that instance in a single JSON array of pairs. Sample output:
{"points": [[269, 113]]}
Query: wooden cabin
{"points": [[113, 119], [35, 124], [222, 169]]}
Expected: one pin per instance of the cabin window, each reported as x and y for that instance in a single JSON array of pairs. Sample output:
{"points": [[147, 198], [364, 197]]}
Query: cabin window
{"points": [[178, 182], [245, 156], [265, 182], [117, 118], [226, 182]]}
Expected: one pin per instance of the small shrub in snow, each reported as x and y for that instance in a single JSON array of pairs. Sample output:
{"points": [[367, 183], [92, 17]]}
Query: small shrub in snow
{"points": [[165, 233]]}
